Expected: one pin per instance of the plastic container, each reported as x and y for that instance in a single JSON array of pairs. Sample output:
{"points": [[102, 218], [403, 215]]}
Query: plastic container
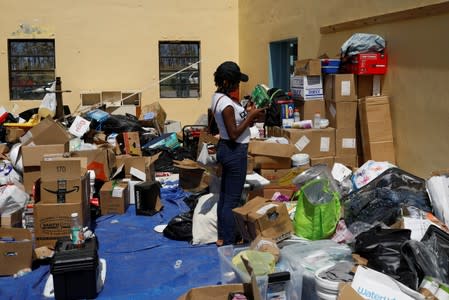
{"points": [[278, 283], [230, 273], [317, 121], [75, 270], [296, 115], [330, 65], [317, 172], [300, 159]]}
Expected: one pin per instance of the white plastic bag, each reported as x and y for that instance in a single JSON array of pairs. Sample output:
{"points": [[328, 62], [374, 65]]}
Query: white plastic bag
{"points": [[204, 225], [48, 104], [12, 197]]}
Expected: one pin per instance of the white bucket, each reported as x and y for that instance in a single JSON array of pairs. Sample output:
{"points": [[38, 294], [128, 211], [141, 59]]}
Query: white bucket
{"points": [[300, 159]]}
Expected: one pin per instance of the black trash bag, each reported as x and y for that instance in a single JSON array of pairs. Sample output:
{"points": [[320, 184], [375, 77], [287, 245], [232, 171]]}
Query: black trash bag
{"points": [[273, 112], [180, 227], [164, 163], [118, 124], [382, 248], [424, 261]]}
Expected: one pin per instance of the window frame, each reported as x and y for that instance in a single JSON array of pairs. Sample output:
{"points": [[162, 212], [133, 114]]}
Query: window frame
{"points": [[32, 58], [183, 81]]}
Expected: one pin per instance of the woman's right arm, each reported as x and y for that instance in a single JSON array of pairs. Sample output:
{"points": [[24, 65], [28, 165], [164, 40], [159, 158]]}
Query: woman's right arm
{"points": [[233, 130]]}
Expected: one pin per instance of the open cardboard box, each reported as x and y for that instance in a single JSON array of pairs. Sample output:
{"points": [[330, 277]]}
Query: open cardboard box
{"points": [[17, 254]]}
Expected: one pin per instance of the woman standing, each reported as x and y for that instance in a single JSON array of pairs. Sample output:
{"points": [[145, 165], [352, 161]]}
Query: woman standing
{"points": [[233, 122]]}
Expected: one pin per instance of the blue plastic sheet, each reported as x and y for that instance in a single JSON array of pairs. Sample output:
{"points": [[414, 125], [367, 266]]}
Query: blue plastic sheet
{"points": [[140, 262]]}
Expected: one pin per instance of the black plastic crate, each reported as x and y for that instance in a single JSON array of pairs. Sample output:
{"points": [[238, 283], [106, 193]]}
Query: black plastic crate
{"points": [[75, 270]]}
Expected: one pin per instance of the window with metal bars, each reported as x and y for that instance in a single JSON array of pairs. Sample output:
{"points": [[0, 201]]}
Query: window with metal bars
{"points": [[31, 67], [177, 80]]}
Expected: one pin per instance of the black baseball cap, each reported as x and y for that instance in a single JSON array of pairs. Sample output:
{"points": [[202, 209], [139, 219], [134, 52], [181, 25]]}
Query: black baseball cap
{"points": [[231, 71]]}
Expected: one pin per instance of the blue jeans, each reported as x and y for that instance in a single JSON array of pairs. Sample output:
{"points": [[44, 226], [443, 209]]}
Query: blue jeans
{"points": [[233, 158]]}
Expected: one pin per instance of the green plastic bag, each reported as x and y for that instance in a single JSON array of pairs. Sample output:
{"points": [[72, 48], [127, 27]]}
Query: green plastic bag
{"points": [[317, 210]]}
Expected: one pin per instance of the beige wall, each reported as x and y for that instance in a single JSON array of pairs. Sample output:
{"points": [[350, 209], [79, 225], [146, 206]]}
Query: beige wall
{"points": [[113, 45], [418, 74]]}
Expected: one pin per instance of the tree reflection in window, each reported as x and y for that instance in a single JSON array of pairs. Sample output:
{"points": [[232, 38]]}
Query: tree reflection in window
{"points": [[31, 65], [173, 57]]}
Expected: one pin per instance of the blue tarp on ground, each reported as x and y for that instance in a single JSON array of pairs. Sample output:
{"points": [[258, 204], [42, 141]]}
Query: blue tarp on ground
{"points": [[140, 262]]}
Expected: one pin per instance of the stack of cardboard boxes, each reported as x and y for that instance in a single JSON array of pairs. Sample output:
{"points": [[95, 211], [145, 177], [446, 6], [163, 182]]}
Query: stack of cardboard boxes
{"points": [[341, 111], [64, 189], [307, 88]]}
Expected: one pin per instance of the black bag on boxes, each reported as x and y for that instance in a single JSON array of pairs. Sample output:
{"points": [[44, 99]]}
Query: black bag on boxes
{"points": [[273, 112]]}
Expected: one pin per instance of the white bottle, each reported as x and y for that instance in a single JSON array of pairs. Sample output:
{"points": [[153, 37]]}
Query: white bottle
{"points": [[316, 120], [296, 115], [76, 230]]}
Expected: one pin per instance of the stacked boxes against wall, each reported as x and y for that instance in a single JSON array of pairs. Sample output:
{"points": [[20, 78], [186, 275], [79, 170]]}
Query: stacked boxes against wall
{"points": [[376, 129], [376, 134], [318, 143], [307, 88], [341, 110]]}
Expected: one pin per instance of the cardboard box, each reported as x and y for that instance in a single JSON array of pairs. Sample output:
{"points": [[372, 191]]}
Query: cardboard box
{"points": [[212, 292], [315, 142], [153, 115], [13, 134], [308, 109], [308, 67], [270, 190], [379, 151], [272, 162], [341, 114], [261, 216], [101, 160], [53, 221], [369, 85], [30, 176], [13, 219], [328, 161], [172, 126], [282, 177], [47, 132], [131, 142], [114, 197], [306, 87], [21, 247], [339, 87], [33, 154], [271, 149], [351, 161], [64, 181], [375, 119], [345, 141]]}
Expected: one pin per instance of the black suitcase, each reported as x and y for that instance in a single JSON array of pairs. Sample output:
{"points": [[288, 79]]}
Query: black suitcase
{"points": [[75, 270]]}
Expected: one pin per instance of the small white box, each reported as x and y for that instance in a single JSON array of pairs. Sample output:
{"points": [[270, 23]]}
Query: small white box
{"points": [[306, 87], [172, 126]]}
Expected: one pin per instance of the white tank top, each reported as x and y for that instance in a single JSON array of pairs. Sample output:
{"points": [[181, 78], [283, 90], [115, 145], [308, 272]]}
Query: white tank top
{"points": [[240, 115]]}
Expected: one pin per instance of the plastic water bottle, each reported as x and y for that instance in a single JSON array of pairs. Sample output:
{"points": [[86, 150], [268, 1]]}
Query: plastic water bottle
{"points": [[76, 230], [296, 115], [317, 120]]}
